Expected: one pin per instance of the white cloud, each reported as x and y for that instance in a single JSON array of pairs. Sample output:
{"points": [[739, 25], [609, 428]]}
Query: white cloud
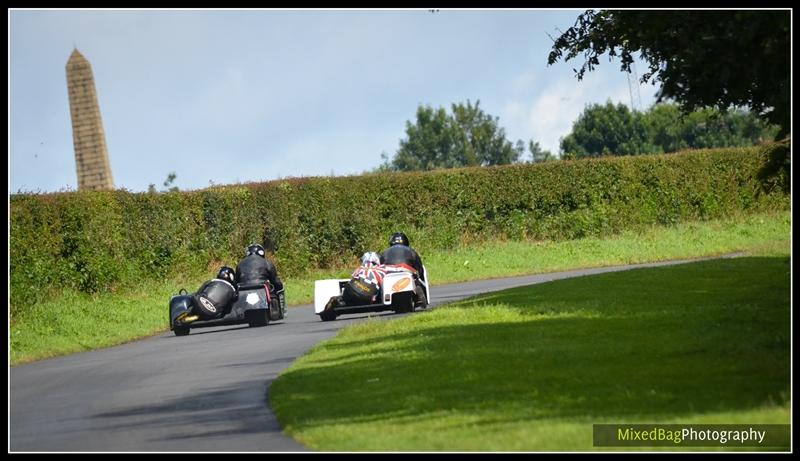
{"points": [[549, 115], [523, 82]]}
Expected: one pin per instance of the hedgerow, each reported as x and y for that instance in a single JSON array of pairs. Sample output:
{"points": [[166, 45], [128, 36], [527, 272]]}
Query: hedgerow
{"points": [[94, 241]]}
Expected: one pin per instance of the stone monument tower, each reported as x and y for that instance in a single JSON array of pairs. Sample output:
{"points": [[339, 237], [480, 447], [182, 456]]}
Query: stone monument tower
{"points": [[88, 137]]}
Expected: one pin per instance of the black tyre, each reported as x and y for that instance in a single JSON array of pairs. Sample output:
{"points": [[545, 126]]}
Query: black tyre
{"points": [[275, 312], [327, 316], [422, 300], [357, 292], [257, 317], [181, 331], [403, 302]]}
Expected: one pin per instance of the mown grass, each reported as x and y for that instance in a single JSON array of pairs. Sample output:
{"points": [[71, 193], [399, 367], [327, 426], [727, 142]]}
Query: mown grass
{"points": [[532, 368], [74, 321]]}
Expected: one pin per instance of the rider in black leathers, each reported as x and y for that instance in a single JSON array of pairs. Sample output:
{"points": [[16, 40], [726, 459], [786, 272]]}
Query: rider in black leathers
{"points": [[399, 252], [256, 269]]}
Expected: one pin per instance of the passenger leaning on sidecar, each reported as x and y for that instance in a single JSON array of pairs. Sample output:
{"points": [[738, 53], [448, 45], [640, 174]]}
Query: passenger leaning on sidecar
{"points": [[214, 298], [364, 286]]}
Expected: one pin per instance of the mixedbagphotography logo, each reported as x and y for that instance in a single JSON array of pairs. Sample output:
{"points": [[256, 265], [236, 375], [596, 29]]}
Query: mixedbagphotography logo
{"points": [[692, 435]]}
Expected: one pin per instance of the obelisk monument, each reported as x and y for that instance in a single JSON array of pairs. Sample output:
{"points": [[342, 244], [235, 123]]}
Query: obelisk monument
{"points": [[88, 137]]}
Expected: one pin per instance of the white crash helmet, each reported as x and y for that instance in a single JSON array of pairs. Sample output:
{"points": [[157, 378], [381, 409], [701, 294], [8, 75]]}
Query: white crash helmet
{"points": [[370, 258]]}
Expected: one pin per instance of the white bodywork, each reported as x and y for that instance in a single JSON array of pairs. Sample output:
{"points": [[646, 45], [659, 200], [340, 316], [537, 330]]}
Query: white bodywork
{"points": [[395, 281], [324, 290]]}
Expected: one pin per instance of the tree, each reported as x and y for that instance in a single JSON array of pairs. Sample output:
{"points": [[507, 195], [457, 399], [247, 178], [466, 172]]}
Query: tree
{"points": [[666, 128], [170, 179], [467, 137], [429, 143], [151, 189], [607, 130], [713, 58], [479, 139], [537, 154], [710, 128], [613, 129]]}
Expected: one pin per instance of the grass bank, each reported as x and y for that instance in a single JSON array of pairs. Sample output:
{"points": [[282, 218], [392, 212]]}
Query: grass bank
{"points": [[532, 368], [74, 321]]}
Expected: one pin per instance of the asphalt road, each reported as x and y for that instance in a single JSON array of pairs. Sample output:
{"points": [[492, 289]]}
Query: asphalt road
{"points": [[202, 392]]}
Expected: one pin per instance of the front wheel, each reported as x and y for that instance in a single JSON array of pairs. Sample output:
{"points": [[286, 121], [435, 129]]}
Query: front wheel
{"points": [[181, 331]]}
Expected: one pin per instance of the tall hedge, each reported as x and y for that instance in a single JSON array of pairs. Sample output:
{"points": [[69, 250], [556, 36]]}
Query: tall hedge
{"points": [[93, 241]]}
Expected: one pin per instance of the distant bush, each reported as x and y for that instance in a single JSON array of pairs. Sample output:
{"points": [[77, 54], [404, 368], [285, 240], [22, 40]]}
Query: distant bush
{"points": [[93, 241]]}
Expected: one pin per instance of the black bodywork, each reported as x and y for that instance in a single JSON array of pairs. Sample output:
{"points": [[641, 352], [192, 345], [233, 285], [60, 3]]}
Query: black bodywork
{"points": [[253, 305]]}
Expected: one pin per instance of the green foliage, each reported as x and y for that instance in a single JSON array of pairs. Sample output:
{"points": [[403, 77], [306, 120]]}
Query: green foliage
{"points": [[615, 130], [167, 183], [776, 172], [538, 154], [608, 130], [95, 241], [71, 321], [715, 58], [467, 137]]}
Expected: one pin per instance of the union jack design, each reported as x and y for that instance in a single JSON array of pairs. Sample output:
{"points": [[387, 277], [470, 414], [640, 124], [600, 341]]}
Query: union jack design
{"points": [[371, 274]]}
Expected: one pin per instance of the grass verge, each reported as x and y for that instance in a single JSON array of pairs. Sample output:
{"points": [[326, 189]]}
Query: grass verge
{"points": [[532, 368], [74, 321]]}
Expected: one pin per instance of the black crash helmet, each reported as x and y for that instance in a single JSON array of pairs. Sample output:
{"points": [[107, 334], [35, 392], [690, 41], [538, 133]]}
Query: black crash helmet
{"points": [[226, 273], [398, 238], [255, 249]]}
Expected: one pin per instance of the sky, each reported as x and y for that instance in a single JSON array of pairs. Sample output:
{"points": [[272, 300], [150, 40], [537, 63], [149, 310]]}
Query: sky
{"points": [[237, 96]]}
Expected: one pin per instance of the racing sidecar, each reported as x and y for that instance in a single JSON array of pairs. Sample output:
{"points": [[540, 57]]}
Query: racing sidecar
{"points": [[255, 305], [402, 290]]}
